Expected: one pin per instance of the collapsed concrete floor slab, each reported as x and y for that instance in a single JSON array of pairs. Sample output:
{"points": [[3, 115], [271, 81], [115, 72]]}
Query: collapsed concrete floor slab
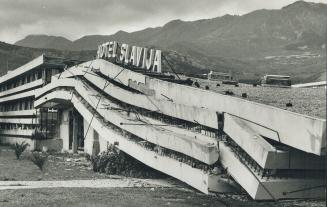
{"points": [[210, 141]]}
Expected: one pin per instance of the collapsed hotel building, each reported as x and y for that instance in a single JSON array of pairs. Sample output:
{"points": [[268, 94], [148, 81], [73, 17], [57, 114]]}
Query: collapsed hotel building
{"points": [[212, 142]]}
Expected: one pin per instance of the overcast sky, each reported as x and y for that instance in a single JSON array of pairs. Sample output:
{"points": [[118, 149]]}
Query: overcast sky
{"points": [[76, 18]]}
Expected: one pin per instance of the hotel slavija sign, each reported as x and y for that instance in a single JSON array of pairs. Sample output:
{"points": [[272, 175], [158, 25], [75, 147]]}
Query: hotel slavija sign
{"points": [[124, 54]]}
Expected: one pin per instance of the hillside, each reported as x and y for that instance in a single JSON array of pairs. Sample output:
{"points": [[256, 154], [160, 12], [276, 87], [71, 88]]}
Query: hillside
{"points": [[286, 41], [292, 27], [12, 56], [45, 41]]}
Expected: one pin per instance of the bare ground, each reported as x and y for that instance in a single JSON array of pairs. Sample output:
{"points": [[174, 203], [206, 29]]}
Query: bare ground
{"points": [[106, 197], [73, 167]]}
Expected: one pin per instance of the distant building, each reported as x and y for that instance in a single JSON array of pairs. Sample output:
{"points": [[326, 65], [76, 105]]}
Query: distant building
{"points": [[311, 85], [225, 78], [276, 81], [220, 76]]}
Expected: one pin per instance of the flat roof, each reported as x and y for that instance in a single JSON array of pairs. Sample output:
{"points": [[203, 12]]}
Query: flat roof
{"points": [[312, 84], [42, 60], [278, 76]]}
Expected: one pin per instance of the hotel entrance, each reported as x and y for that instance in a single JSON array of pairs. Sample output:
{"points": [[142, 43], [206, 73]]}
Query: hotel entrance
{"points": [[76, 132], [48, 120]]}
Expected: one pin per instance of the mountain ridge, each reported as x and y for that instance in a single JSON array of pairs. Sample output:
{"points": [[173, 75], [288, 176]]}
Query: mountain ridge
{"points": [[286, 41], [209, 27], [45, 41]]}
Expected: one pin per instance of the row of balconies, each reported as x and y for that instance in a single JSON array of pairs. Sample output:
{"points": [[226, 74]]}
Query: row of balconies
{"points": [[21, 88], [269, 156], [127, 142], [22, 104], [264, 153], [198, 178], [199, 146], [21, 80], [310, 130]]}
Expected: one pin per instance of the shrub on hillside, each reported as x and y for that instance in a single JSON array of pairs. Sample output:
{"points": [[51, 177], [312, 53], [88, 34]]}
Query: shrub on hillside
{"points": [[19, 148], [39, 159]]}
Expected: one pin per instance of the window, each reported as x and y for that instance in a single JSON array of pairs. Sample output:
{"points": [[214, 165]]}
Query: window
{"points": [[28, 79], [26, 105], [39, 74]]}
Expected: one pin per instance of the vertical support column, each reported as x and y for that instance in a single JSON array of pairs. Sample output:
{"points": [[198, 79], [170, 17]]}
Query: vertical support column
{"points": [[64, 129], [96, 143], [44, 76], [75, 131], [91, 142], [220, 117], [103, 143], [88, 141]]}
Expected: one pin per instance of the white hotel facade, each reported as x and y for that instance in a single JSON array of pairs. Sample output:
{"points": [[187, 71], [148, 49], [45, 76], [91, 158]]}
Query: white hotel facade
{"points": [[20, 120], [217, 145]]}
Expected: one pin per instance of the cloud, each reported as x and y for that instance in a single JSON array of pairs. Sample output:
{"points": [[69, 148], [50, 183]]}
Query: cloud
{"points": [[76, 18]]}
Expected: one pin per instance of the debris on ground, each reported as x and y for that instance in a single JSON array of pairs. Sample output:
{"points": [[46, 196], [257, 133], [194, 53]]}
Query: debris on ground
{"points": [[116, 162]]}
